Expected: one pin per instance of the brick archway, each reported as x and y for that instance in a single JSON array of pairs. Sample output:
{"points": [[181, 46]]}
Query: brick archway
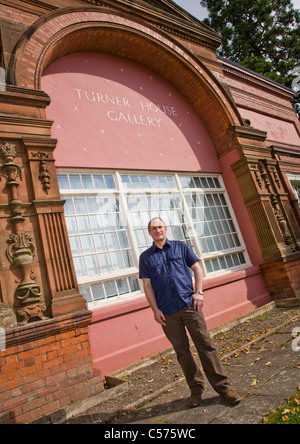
{"points": [[93, 29]]}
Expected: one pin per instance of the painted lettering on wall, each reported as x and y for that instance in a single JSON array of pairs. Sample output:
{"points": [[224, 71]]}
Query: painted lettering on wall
{"points": [[145, 113]]}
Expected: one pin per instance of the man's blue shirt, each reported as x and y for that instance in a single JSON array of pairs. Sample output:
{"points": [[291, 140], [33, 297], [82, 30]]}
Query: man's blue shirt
{"points": [[171, 279]]}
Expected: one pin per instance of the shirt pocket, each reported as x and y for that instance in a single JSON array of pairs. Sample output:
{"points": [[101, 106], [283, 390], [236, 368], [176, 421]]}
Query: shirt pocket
{"points": [[177, 263]]}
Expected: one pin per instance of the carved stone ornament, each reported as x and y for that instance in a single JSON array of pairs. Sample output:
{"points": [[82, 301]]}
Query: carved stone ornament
{"points": [[265, 171], [27, 302], [10, 170], [44, 175]]}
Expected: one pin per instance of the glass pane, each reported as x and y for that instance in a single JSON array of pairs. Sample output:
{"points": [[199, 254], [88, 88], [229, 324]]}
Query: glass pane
{"points": [[104, 263], [92, 265], [109, 181], [122, 286], [135, 180], [229, 261], [171, 182], [131, 202], [222, 263], [79, 266], [103, 204], [133, 282], [242, 258], [110, 289], [208, 266], [117, 261], [87, 244], [112, 241], [123, 239], [154, 182], [71, 225], [75, 181], [87, 181], [92, 204], [100, 243], [114, 203], [97, 291], [69, 209], [128, 259], [86, 293], [140, 237], [135, 220], [162, 181], [96, 224], [126, 181], [215, 264], [99, 182], [75, 246], [83, 224], [63, 182], [108, 222], [119, 221], [145, 181], [80, 206], [178, 233], [142, 203]]}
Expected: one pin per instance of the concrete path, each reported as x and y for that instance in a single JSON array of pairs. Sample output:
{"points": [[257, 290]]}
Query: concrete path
{"points": [[267, 374]]}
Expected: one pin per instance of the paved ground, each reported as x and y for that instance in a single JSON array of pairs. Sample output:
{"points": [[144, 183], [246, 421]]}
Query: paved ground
{"points": [[266, 375]]}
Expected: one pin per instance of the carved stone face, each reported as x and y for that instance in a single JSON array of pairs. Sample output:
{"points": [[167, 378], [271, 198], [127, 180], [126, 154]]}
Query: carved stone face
{"points": [[28, 292]]}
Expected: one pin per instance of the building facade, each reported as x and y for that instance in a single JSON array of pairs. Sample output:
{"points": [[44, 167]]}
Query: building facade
{"points": [[113, 112]]}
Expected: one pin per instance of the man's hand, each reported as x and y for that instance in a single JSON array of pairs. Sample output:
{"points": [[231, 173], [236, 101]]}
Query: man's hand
{"points": [[160, 317], [198, 301]]}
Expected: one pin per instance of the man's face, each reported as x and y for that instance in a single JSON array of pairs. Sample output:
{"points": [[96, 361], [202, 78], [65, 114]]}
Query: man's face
{"points": [[158, 231]]}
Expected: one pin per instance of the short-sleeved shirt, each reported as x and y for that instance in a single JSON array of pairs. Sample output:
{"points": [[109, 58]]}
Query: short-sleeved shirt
{"points": [[170, 275]]}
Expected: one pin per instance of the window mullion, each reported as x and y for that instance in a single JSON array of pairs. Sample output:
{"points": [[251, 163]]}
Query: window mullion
{"points": [[190, 225], [125, 212]]}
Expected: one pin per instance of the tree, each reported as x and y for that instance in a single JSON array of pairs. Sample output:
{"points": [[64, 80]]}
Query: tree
{"points": [[262, 35]]}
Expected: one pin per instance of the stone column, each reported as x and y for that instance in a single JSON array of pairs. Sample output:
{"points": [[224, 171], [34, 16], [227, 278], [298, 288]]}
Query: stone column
{"points": [[278, 233], [38, 279]]}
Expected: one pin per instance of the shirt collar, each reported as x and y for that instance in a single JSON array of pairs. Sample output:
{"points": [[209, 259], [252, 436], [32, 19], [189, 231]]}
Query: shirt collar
{"points": [[154, 247]]}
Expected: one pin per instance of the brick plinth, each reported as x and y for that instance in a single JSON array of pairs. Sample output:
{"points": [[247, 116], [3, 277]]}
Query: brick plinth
{"points": [[282, 276], [46, 366]]}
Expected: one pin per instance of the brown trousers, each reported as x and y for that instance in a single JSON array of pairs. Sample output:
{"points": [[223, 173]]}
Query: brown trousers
{"points": [[194, 322]]}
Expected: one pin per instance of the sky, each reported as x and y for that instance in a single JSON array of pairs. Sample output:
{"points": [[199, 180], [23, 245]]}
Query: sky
{"points": [[194, 7]]}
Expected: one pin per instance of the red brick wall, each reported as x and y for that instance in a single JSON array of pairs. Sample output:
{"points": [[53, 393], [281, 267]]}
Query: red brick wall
{"points": [[282, 276], [46, 366], [17, 16]]}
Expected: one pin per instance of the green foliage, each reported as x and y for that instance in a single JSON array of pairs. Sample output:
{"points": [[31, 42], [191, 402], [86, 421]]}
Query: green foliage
{"points": [[288, 414], [262, 35]]}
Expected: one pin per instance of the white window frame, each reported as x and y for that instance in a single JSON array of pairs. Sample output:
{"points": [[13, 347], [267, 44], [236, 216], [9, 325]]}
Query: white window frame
{"points": [[123, 192]]}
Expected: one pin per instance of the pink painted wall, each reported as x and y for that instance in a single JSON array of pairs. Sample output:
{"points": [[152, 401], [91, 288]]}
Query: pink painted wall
{"points": [[110, 112]]}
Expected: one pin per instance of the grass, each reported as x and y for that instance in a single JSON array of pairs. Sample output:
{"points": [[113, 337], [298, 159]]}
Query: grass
{"points": [[287, 414]]}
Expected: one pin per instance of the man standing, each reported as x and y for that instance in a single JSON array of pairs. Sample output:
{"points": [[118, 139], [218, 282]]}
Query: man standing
{"points": [[177, 306]]}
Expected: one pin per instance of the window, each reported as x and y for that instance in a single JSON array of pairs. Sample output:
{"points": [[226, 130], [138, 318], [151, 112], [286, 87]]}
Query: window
{"points": [[107, 217], [295, 184]]}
